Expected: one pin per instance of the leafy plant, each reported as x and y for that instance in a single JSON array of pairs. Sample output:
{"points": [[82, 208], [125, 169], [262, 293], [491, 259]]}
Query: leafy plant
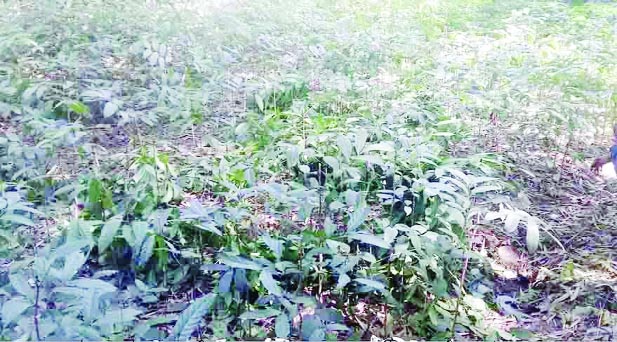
{"points": [[289, 171]]}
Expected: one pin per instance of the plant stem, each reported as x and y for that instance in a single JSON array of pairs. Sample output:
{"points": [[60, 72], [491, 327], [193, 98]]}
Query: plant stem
{"points": [[36, 308], [462, 286]]}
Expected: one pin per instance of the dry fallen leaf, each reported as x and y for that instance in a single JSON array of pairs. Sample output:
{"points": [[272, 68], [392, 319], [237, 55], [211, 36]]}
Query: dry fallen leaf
{"points": [[508, 256]]}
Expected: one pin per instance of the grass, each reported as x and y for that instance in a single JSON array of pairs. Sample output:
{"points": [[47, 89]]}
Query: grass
{"points": [[312, 170]]}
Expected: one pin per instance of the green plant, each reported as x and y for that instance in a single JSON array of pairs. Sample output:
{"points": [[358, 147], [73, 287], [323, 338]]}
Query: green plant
{"points": [[285, 169]]}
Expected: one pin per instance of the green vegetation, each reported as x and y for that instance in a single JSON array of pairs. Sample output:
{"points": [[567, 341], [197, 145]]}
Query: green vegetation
{"points": [[313, 170]]}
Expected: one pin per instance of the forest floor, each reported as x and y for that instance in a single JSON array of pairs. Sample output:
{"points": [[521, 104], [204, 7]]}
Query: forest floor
{"points": [[577, 274], [529, 82]]}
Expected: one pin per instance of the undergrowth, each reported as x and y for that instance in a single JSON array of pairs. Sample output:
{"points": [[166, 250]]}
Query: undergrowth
{"points": [[174, 170]]}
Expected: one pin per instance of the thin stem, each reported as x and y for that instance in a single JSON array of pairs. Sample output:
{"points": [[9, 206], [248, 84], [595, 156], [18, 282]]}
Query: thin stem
{"points": [[156, 175], [37, 284], [36, 308], [320, 187], [193, 134], [320, 278], [462, 286], [563, 158]]}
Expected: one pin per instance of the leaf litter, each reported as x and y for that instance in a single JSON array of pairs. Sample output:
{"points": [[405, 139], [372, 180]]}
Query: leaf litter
{"points": [[569, 292]]}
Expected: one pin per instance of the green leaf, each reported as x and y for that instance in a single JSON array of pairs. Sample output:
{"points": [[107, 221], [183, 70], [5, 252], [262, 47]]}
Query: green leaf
{"points": [[372, 283], [368, 257], [317, 335], [260, 314], [120, 316], [140, 230], [312, 329], [344, 145], [384, 146], [79, 107], [17, 219], [210, 228], [19, 282], [275, 245], [281, 326], [371, 159], [72, 264], [7, 90], [110, 109], [93, 285], [142, 328], [343, 280], [361, 136], [108, 232], [13, 308], [242, 129], [88, 333], [293, 156], [456, 216], [329, 226], [239, 262], [357, 218], [191, 317], [336, 205], [485, 188], [329, 315], [338, 247], [71, 246], [337, 327], [71, 187], [23, 207], [416, 242], [389, 234], [159, 219], [225, 282], [370, 239], [269, 283], [145, 250], [94, 190], [332, 162], [443, 134], [260, 102]]}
